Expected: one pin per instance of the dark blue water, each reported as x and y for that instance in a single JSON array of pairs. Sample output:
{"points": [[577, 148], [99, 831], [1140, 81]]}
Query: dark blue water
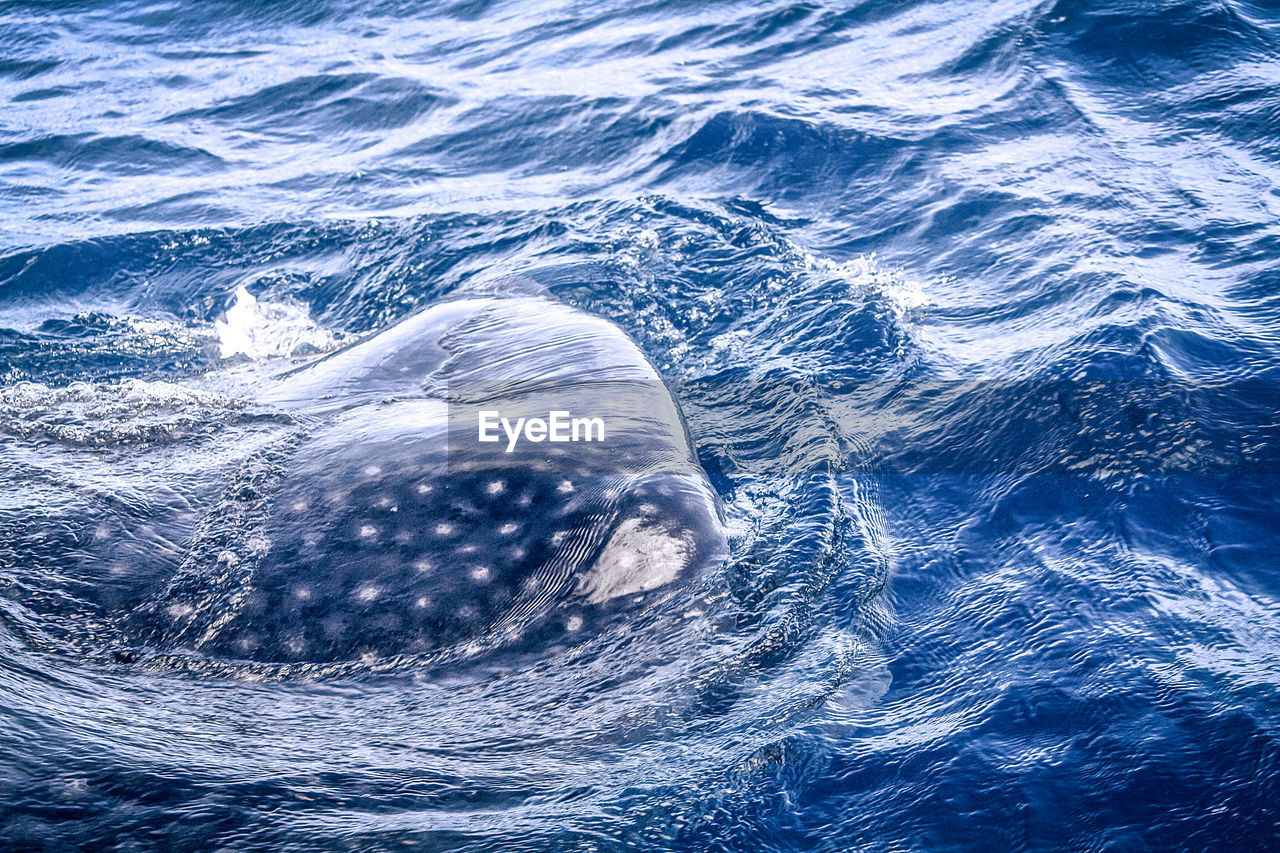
{"points": [[973, 309]]}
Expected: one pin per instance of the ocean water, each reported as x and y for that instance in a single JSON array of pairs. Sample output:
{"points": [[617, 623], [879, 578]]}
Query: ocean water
{"points": [[972, 308]]}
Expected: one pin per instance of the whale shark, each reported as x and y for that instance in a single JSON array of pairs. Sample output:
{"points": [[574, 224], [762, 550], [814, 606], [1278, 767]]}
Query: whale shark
{"points": [[490, 473]]}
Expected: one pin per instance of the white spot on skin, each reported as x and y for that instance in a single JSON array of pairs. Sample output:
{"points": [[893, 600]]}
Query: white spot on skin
{"points": [[637, 558], [480, 574]]}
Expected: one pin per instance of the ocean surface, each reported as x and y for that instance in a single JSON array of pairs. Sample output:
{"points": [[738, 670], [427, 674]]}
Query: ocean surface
{"points": [[973, 310]]}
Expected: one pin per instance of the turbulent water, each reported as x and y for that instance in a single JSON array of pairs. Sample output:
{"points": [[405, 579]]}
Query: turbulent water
{"points": [[973, 311]]}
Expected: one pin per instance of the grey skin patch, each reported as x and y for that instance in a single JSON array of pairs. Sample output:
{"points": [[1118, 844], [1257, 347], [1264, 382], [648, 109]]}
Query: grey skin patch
{"points": [[389, 531]]}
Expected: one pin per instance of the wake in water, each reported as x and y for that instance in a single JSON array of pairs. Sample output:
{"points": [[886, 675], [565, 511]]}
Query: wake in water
{"points": [[340, 522]]}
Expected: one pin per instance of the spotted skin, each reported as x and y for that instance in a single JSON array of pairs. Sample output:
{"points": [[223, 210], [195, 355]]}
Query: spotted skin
{"points": [[390, 569]]}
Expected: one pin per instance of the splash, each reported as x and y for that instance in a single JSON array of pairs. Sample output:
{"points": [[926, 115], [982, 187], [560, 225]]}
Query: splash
{"points": [[261, 330]]}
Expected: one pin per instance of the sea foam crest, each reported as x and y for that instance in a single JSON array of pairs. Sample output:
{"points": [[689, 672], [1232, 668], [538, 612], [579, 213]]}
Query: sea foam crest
{"points": [[263, 330], [112, 413]]}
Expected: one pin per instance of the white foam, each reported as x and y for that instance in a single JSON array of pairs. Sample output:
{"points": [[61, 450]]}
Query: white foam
{"points": [[866, 272], [262, 330], [130, 411]]}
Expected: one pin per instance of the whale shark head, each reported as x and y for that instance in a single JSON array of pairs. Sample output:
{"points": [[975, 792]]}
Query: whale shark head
{"points": [[400, 528]]}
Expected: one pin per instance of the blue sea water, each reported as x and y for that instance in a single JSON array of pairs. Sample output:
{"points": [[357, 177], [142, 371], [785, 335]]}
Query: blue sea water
{"points": [[973, 309]]}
